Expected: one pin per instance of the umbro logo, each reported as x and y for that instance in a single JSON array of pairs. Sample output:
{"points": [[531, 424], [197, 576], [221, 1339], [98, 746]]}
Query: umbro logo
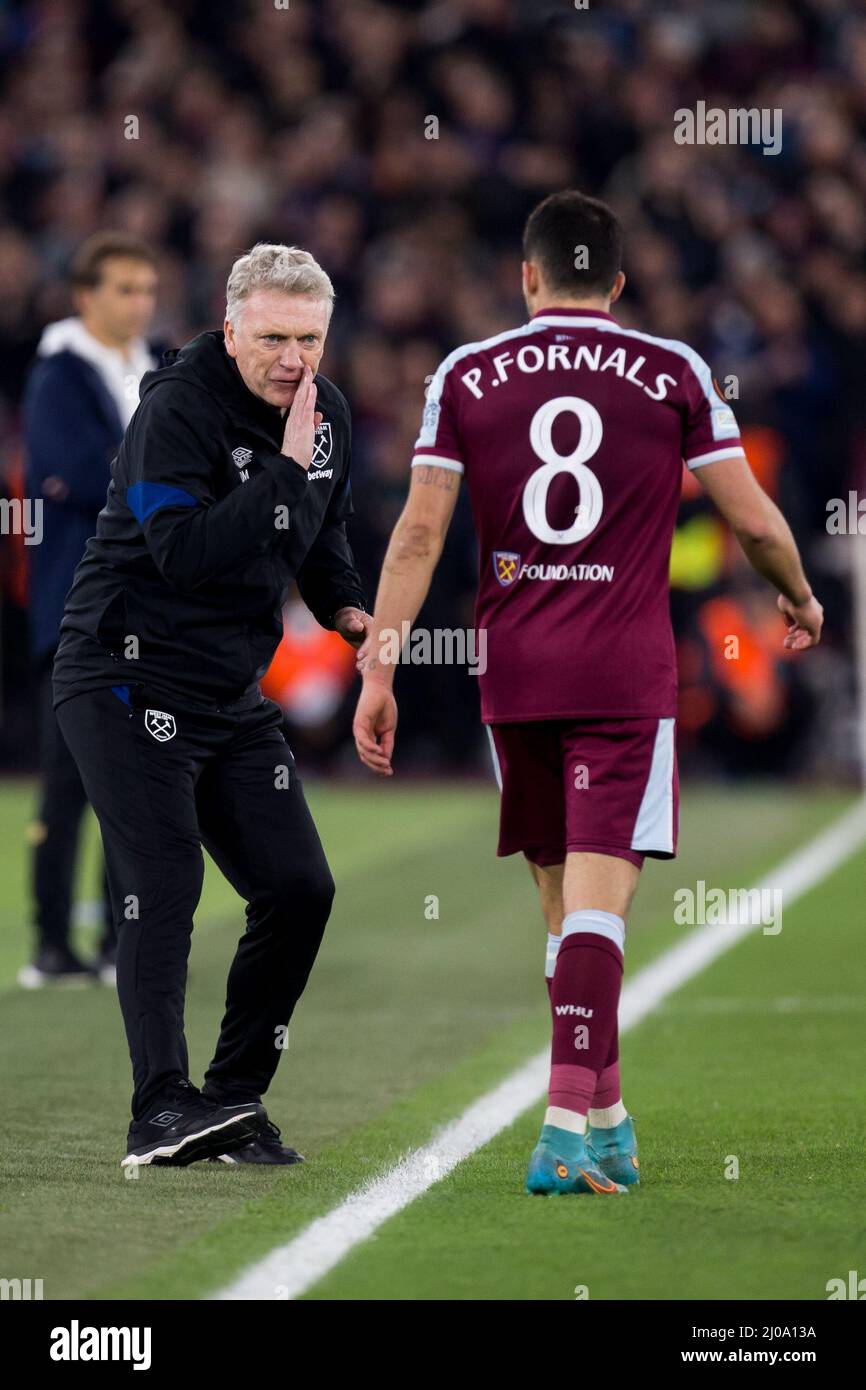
{"points": [[242, 457], [166, 1118]]}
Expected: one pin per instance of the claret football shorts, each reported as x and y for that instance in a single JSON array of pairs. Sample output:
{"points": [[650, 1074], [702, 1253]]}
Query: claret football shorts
{"points": [[605, 786]]}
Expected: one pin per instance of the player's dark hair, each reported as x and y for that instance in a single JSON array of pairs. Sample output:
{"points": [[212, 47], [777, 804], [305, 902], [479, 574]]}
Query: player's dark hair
{"points": [[85, 272], [576, 241]]}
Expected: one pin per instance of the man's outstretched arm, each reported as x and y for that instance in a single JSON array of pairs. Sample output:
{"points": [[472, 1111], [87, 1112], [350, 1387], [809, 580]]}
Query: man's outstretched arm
{"points": [[767, 543], [411, 558]]}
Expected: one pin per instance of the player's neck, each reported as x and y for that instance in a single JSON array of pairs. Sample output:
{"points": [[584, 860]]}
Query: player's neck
{"points": [[548, 303]]}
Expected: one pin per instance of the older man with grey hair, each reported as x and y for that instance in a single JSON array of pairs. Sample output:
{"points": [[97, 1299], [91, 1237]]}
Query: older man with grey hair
{"points": [[232, 482]]}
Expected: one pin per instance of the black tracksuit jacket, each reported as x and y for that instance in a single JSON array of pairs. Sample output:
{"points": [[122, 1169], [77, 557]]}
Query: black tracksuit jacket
{"points": [[205, 527]]}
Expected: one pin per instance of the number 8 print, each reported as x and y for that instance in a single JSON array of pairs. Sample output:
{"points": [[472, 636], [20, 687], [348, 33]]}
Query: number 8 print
{"points": [[588, 511]]}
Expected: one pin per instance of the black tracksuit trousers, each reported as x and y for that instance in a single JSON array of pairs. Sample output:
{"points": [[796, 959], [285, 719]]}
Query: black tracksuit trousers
{"points": [[164, 780]]}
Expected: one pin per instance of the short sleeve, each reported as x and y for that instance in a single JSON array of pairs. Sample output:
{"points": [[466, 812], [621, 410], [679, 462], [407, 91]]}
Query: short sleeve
{"points": [[710, 429], [438, 442]]}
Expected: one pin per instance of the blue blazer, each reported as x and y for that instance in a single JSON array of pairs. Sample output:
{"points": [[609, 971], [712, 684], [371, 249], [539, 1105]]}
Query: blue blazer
{"points": [[71, 430]]}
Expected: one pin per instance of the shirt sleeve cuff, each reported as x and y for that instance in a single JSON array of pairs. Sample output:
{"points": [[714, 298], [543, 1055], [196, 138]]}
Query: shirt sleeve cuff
{"points": [[438, 461], [730, 451]]}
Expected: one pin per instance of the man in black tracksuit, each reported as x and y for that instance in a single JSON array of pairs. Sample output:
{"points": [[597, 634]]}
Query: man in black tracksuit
{"points": [[232, 481]]}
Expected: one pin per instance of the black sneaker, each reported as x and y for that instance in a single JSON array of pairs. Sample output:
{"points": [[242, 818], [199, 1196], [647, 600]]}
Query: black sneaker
{"points": [[265, 1148], [55, 965], [183, 1126]]}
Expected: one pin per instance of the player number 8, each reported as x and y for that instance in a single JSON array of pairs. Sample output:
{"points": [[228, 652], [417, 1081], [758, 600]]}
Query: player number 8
{"points": [[588, 511]]}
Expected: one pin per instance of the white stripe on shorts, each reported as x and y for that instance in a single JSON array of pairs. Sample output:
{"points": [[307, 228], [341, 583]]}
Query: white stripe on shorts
{"points": [[497, 770], [654, 826]]}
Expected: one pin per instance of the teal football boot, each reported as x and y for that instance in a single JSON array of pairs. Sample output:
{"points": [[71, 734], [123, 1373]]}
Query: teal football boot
{"points": [[561, 1163], [614, 1151]]}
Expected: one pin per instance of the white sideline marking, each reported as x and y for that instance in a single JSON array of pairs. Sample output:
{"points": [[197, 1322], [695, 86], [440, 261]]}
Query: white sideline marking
{"points": [[291, 1269]]}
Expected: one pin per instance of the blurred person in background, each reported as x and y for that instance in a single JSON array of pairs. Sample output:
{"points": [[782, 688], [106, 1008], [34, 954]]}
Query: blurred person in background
{"points": [[80, 396]]}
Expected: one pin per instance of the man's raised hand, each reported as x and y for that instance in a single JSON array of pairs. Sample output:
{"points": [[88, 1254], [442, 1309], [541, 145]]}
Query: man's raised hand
{"points": [[301, 422]]}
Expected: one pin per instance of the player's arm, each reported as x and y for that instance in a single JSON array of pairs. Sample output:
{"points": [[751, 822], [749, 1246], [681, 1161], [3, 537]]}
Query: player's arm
{"points": [[410, 561], [767, 543]]}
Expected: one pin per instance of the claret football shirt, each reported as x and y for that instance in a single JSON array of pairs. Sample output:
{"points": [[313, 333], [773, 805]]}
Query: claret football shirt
{"points": [[572, 433]]}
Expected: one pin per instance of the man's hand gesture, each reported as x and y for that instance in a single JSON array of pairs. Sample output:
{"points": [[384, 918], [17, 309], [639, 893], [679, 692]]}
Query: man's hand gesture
{"points": [[353, 625], [301, 422]]}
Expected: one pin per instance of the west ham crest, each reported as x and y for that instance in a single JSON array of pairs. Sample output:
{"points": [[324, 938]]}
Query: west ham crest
{"points": [[160, 725], [323, 443], [506, 566]]}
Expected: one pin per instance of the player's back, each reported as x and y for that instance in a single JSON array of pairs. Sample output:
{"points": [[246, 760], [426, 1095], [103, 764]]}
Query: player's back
{"points": [[572, 433]]}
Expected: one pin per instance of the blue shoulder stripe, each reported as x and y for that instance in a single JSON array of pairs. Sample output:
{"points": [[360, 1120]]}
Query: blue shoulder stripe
{"points": [[143, 499]]}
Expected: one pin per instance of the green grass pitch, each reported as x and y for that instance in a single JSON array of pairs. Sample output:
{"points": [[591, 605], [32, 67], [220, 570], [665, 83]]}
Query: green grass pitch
{"points": [[409, 1018]]}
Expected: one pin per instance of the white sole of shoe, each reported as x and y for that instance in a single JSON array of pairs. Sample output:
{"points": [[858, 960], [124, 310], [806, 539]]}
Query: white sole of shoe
{"points": [[171, 1150]]}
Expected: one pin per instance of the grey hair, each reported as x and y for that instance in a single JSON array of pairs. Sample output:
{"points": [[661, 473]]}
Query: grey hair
{"points": [[275, 267]]}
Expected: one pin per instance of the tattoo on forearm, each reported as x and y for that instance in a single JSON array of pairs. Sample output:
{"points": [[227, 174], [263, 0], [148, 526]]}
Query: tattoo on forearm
{"points": [[431, 476]]}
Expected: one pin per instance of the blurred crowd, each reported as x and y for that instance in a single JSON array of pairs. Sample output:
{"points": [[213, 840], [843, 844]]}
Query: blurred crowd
{"points": [[404, 145]]}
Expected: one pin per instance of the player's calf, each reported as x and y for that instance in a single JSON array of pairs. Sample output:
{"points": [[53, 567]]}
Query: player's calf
{"points": [[584, 997]]}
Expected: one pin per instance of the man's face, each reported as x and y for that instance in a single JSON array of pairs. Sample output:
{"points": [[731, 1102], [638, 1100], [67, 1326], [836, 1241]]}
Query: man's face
{"points": [[275, 337], [121, 306]]}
